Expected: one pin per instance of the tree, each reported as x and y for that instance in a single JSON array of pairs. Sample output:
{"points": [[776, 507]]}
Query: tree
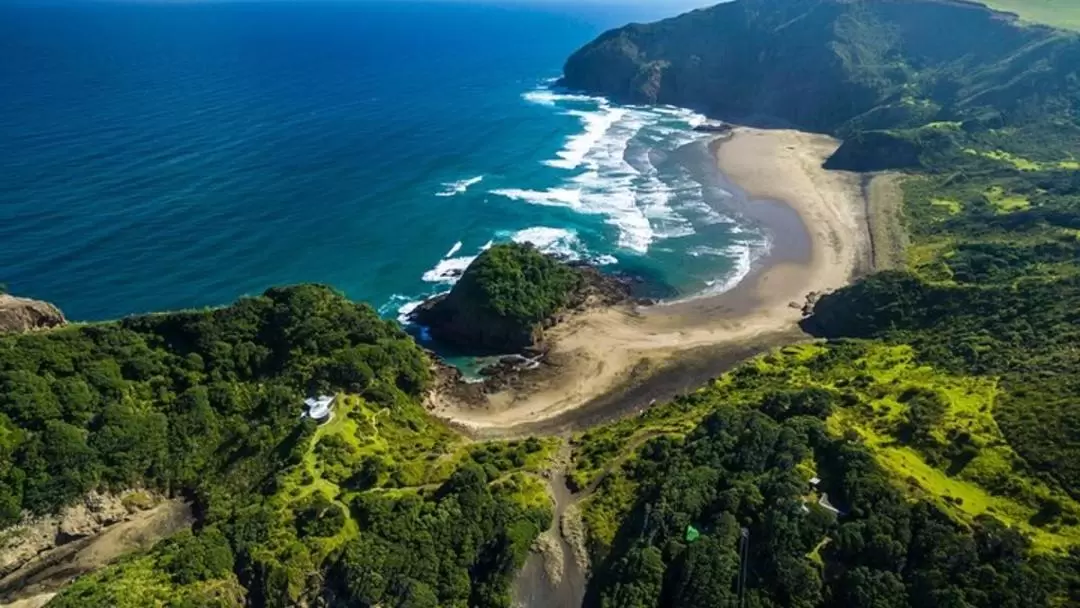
{"points": [[190, 558], [862, 587], [707, 572], [640, 576]]}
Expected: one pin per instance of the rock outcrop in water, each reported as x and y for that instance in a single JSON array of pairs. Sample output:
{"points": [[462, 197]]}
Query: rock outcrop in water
{"points": [[509, 295], [22, 314], [881, 70]]}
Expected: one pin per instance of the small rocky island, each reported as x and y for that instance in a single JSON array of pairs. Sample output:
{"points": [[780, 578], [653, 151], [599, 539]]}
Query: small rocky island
{"points": [[509, 295]]}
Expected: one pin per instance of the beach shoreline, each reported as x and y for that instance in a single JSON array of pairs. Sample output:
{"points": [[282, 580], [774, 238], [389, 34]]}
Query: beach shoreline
{"points": [[817, 221]]}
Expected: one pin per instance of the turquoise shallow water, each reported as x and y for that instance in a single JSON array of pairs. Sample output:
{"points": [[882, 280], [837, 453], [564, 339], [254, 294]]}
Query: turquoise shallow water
{"points": [[160, 156]]}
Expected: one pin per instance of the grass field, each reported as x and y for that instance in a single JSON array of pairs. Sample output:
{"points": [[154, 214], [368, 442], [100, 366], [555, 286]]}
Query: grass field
{"points": [[416, 454], [989, 483], [1058, 13]]}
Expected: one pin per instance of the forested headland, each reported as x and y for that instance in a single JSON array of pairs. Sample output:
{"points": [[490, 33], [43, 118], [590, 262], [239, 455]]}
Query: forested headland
{"points": [[381, 502], [508, 295]]}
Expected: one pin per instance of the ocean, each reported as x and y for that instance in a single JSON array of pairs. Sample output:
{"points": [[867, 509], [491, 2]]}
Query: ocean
{"points": [[156, 156]]}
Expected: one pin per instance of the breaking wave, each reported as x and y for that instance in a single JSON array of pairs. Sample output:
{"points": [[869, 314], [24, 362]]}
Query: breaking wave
{"points": [[459, 187], [608, 167]]}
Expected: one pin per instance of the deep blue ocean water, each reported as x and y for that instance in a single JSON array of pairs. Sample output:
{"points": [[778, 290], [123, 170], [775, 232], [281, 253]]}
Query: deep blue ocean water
{"points": [[161, 155]]}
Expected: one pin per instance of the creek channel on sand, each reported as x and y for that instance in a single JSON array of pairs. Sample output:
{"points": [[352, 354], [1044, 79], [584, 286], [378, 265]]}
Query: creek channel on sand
{"points": [[555, 576]]}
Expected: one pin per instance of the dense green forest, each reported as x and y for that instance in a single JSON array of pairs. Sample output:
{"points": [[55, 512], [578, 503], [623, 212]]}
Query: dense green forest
{"points": [[934, 509], [519, 283], [208, 405]]}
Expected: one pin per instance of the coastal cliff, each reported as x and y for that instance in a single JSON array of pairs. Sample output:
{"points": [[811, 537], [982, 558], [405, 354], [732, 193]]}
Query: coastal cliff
{"points": [[22, 314], [876, 74], [508, 295]]}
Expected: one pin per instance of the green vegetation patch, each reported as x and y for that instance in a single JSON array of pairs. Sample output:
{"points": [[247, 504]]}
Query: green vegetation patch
{"points": [[935, 433], [185, 401], [502, 301], [1019, 162], [1005, 202], [740, 479], [209, 403], [402, 467], [938, 433], [186, 570], [518, 283], [952, 207]]}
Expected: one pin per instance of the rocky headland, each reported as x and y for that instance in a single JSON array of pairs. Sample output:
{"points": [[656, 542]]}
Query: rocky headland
{"points": [[18, 315], [904, 83], [510, 295]]}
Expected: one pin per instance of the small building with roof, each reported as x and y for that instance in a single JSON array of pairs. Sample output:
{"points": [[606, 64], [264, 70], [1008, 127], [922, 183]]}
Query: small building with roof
{"points": [[319, 408]]}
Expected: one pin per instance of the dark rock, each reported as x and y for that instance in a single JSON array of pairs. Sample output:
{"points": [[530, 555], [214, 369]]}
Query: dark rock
{"points": [[718, 128]]}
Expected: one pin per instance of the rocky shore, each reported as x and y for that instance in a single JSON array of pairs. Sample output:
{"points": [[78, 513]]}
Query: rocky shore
{"points": [[18, 315], [42, 554]]}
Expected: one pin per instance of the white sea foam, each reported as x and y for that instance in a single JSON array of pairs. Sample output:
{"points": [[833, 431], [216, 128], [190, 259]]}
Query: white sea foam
{"points": [[402, 305], [448, 270], [742, 255], [552, 197], [597, 123], [712, 251], [543, 237], [691, 202], [407, 308], [459, 187], [614, 175], [618, 167], [547, 97], [556, 241]]}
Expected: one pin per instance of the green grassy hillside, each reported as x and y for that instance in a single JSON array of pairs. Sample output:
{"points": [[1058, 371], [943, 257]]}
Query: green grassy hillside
{"points": [[932, 508]]}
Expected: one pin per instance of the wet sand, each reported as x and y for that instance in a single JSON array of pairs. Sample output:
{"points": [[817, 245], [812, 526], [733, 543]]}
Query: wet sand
{"points": [[816, 222]]}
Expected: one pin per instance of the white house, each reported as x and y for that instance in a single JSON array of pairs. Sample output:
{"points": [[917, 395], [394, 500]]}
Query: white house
{"points": [[319, 408]]}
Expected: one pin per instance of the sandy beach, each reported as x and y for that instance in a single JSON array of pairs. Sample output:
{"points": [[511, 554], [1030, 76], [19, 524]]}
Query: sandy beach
{"points": [[602, 350]]}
